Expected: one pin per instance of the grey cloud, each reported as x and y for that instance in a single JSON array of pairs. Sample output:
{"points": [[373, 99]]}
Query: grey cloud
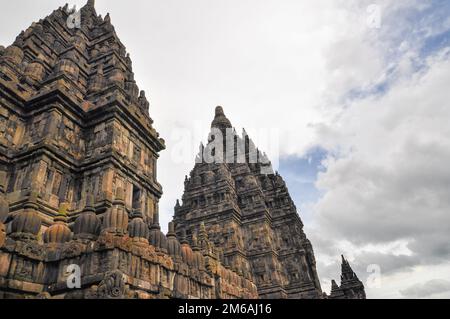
{"points": [[394, 182], [389, 264], [428, 289], [387, 177]]}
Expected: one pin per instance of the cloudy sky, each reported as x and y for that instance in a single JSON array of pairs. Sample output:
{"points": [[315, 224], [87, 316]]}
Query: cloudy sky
{"points": [[356, 93]]}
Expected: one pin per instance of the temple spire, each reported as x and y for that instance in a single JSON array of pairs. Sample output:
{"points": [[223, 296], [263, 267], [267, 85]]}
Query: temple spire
{"points": [[220, 119], [347, 271], [334, 285], [89, 7], [156, 220]]}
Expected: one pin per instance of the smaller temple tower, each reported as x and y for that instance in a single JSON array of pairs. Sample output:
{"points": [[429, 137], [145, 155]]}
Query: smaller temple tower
{"points": [[249, 215], [351, 287]]}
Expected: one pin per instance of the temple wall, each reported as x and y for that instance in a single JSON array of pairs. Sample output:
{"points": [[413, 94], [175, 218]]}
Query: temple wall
{"points": [[31, 269]]}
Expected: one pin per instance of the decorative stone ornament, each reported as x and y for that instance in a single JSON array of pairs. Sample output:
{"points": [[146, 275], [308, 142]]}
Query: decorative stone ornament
{"points": [[112, 286], [27, 224], [115, 220], [87, 225], [59, 232], [157, 237], [137, 228], [173, 245], [186, 251]]}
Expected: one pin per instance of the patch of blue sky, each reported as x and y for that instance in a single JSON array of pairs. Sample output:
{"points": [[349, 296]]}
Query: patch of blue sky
{"points": [[423, 31], [435, 43], [300, 174]]}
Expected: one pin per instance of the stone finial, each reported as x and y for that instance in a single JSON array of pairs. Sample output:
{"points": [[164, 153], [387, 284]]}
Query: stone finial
{"points": [[199, 260], [143, 102], [194, 242], [334, 285], [116, 218], [137, 227], [59, 232], [183, 239], [157, 237], [173, 245], [27, 223], [203, 231], [220, 120], [171, 228], [87, 224], [186, 251], [156, 219]]}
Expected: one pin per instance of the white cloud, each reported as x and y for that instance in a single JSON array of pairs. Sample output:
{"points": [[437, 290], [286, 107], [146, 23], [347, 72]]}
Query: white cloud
{"points": [[389, 181]]}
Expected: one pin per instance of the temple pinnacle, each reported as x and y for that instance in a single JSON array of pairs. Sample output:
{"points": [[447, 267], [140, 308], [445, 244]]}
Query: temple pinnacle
{"points": [[220, 120]]}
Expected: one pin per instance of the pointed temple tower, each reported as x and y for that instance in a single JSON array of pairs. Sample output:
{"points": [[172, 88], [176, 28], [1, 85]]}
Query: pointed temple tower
{"points": [[73, 120], [351, 287], [79, 193], [249, 215], [78, 186]]}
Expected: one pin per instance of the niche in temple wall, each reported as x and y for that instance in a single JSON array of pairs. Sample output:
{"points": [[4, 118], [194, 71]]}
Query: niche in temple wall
{"points": [[69, 136], [100, 140], [133, 151], [11, 128]]}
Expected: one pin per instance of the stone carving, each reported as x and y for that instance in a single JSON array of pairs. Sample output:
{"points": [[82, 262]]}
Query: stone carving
{"points": [[87, 224], [112, 286], [59, 232], [32, 249], [86, 194], [27, 224], [243, 220], [72, 249]]}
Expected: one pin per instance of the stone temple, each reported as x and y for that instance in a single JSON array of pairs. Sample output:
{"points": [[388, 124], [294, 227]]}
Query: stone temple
{"points": [[79, 193]]}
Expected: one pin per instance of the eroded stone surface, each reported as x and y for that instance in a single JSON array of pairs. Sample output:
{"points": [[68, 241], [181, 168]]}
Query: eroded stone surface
{"points": [[78, 158], [245, 210], [78, 187]]}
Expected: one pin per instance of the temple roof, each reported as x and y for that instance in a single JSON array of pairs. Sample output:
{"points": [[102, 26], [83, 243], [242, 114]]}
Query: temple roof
{"points": [[79, 55]]}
